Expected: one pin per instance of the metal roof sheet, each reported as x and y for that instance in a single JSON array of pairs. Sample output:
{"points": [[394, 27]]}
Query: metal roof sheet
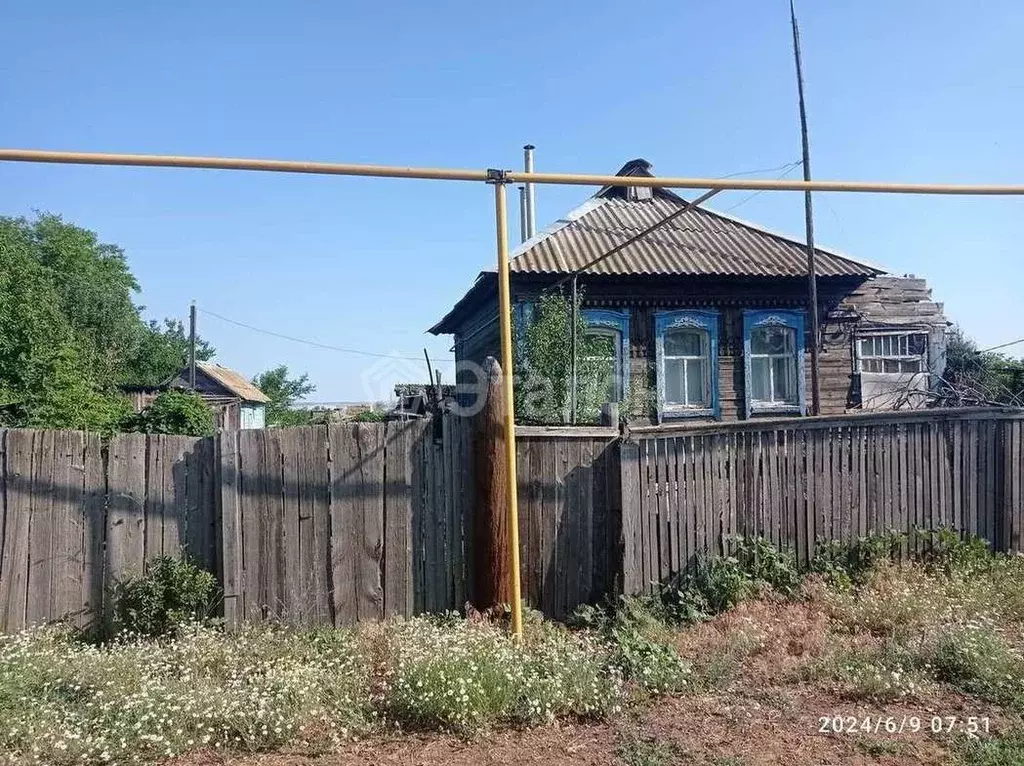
{"points": [[233, 381], [698, 242]]}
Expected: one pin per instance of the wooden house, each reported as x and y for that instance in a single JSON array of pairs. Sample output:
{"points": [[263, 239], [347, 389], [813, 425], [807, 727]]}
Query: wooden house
{"points": [[236, 403], [710, 312]]}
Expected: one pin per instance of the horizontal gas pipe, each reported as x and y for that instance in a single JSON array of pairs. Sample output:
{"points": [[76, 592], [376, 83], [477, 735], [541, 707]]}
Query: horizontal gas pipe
{"points": [[511, 176]]}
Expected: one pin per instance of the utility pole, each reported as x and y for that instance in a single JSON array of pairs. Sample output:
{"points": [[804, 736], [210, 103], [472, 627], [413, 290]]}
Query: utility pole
{"points": [[812, 273], [192, 346]]}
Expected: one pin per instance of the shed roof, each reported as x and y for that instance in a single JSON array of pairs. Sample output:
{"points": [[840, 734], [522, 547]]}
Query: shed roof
{"points": [[233, 381]]}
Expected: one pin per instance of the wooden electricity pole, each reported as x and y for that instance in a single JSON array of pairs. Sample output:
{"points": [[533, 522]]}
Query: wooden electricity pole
{"points": [[812, 272], [492, 577], [192, 346]]}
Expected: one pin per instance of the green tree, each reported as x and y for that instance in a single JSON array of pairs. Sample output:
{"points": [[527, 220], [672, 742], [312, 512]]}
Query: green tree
{"points": [[283, 393], [70, 333], [975, 377], [544, 365], [162, 352], [174, 412]]}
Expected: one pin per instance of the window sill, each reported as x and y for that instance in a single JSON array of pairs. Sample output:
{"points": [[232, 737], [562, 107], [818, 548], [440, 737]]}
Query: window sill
{"points": [[672, 414], [774, 409]]}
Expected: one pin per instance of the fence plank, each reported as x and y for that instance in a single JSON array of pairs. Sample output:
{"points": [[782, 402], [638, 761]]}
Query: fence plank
{"points": [[252, 496], [18, 487], [94, 490], [357, 511], [403, 441], [40, 533], [126, 499], [629, 487], [231, 529]]}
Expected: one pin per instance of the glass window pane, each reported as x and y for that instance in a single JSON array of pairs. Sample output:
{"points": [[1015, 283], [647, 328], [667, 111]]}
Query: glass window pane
{"points": [[674, 381], [910, 365], [684, 343], [771, 340], [695, 382], [759, 383], [918, 344], [784, 379]]}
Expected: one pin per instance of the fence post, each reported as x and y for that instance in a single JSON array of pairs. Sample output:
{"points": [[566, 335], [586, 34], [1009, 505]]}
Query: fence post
{"points": [[629, 487], [490, 584]]}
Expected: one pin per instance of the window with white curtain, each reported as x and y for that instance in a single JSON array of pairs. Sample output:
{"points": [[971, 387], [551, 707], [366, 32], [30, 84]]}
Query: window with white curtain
{"points": [[773, 344], [686, 366], [686, 349], [773, 365]]}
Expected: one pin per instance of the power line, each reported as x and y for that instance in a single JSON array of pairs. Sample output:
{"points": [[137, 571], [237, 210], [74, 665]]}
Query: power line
{"points": [[314, 343], [792, 166], [1001, 345], [762, 170]]}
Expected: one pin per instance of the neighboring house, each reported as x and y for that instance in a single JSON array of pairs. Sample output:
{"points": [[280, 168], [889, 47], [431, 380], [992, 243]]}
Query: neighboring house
{"points": [[710, 312], [236, 403]]}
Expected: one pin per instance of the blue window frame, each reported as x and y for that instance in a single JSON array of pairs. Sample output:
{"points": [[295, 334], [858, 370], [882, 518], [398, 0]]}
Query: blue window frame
{"points": [[773, 357], [615, 324], [686, 354]]}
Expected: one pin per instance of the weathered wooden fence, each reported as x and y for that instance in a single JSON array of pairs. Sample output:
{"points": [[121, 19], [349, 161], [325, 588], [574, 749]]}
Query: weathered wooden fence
{"points": [[318, 525], [801, 481], [568, 516], [330, 525], [352, 522], [77, 516]]}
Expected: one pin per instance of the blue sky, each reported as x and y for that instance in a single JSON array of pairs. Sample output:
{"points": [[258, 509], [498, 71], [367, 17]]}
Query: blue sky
{"points": [[910, 90]]}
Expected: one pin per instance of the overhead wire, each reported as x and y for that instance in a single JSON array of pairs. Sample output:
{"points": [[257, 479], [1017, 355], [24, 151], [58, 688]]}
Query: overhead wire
{"points": [[1001, 345], [317, 344], [792, 166]]}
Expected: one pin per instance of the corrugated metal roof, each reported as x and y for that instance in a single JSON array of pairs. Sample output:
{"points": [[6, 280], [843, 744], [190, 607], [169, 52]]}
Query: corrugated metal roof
{"points": [[698, 242], [233, 381]]}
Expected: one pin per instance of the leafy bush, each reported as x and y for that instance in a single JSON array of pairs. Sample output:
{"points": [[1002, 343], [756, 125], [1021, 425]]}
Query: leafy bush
{"points": [[543, 364], [718, 583], [846, 563], [766, 565], [174, 412], [370, 416], [640, 642], [951, 554], [171, 593]]}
